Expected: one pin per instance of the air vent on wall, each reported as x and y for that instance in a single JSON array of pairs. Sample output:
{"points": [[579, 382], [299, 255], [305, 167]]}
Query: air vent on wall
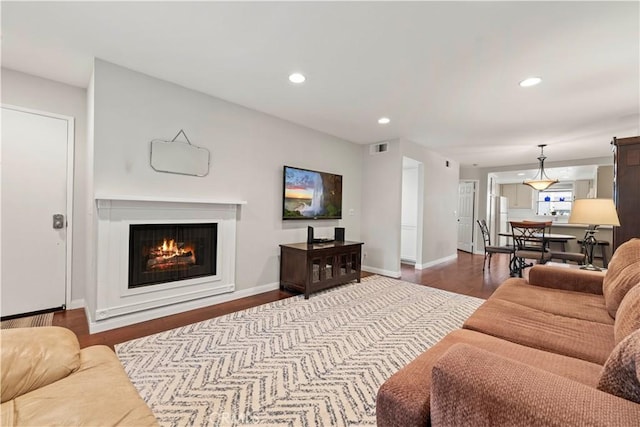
{"points": [[381, 147]]}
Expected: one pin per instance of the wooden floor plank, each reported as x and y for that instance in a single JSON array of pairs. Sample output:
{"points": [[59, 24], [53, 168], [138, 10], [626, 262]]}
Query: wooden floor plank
{"points": [[463, 275]]}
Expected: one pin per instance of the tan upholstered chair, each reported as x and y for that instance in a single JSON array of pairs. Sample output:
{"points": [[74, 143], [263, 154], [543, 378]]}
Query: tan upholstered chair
{"points": [[48, 380]]}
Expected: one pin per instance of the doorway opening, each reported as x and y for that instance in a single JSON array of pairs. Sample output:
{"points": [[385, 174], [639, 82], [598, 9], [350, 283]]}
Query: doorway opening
{"points": [[412, 212]]}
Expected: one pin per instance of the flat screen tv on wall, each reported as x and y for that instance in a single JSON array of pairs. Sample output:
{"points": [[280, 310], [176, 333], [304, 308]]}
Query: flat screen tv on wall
{"points": [[311, 194]]}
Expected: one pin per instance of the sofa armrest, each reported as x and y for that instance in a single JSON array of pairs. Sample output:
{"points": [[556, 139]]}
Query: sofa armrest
{"points": [[566, 278], [472, 387], [35, 357]]}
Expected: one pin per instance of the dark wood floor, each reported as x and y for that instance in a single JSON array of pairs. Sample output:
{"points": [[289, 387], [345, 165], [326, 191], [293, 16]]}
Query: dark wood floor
{"points": [[463, 275]]}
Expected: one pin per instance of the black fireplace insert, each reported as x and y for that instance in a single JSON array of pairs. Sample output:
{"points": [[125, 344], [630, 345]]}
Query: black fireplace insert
{"points": [[161, 253]]}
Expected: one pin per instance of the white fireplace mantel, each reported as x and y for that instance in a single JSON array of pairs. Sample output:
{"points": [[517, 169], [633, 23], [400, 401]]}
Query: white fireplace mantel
{"points": [[158, 199], [116, 304]]}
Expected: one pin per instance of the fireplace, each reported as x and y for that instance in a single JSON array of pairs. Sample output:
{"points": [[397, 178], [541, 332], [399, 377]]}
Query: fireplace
{"points": [[161, 253], [202, 226]]}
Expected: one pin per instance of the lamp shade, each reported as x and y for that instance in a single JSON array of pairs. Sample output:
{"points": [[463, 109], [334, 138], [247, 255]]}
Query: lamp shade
{"points": [[594, 212]]}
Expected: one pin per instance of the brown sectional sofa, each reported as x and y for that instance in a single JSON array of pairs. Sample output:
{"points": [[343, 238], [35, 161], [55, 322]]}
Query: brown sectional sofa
{"points": [[48, 381], [562, 348]]}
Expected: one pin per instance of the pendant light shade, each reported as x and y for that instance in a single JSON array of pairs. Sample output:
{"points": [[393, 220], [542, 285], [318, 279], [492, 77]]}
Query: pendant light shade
{"points": [[541, 181]]}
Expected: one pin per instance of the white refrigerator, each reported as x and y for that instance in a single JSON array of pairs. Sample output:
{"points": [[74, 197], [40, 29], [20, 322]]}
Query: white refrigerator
{"points": [[498, 219]]}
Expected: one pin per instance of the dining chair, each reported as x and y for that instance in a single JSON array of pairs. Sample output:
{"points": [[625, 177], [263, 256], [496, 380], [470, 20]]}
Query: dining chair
{"points": [[530, 243], [563, 255], [489, 249]]}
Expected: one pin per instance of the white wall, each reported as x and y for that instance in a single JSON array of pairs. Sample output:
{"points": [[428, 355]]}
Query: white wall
{"points": [[248, 151], [128, 109], [440, 228], [33, 92], [382, 202], [381, 209]]}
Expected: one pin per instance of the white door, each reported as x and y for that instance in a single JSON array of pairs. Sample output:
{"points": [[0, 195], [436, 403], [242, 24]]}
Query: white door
{"points": [[34, 188], [466, 197]]}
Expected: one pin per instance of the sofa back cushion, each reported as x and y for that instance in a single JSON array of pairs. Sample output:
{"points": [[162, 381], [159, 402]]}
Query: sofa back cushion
{"points": [[621, 373], [35, 357], [623, 274], [628, 318]]}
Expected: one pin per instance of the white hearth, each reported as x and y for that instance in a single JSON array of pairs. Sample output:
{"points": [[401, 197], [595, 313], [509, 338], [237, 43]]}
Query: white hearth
{"points": [[118, 305]]}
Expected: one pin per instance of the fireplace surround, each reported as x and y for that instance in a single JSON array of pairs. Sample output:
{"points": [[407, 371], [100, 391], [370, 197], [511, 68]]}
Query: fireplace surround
{"points": [[117, 303]]}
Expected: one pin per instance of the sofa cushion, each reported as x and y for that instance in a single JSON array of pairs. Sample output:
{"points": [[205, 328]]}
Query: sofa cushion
{"points": [[35, 357], [569, 279], [583, 339], [579, 305], [403, 400], [621, 373], [622, 275], [473, 387], [628, 318]]}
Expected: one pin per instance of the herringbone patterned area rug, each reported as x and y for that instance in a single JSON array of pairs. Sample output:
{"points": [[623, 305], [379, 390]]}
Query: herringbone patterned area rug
{"points": [[293, 362]]}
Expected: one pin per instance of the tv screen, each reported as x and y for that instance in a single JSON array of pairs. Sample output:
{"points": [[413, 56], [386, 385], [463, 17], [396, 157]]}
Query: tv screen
{"points": [[310, 194]]}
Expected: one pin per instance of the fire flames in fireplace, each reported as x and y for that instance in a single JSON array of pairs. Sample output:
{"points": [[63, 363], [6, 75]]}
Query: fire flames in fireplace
{"points": [[171, 254], [162, 253]]}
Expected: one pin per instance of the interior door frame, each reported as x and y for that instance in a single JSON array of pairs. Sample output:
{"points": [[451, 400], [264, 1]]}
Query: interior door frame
{"points": [[419, 211], [70, 195]]}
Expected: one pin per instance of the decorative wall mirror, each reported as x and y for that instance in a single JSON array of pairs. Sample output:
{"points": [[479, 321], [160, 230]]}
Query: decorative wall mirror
{"points": [[179, 157]]}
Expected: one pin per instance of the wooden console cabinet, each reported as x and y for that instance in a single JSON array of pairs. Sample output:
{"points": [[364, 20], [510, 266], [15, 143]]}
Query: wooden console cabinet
{"points": [[312, 267]]}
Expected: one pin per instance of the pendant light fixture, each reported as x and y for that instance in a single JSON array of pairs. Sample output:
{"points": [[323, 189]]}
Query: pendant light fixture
{"points": [[541, 181]]}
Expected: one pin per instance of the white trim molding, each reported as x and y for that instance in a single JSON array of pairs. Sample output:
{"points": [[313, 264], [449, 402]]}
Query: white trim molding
{"points": [[388, 273], [436, 262], [116, 304], [142, 316]]}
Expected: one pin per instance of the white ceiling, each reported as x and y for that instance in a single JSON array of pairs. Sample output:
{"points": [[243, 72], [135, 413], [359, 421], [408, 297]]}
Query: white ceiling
{"points": [[446, 73]]}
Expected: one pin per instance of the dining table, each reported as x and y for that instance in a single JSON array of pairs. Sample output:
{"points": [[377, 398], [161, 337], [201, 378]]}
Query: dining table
{"points": [[549, 238]]}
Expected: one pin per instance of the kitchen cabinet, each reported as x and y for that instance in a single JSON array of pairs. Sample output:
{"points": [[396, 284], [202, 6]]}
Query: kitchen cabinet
{"points": [[520, 196], [582, 188]]}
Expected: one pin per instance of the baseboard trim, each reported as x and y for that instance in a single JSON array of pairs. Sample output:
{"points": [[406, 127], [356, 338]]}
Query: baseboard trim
{"points": [[436, 262], [388, 273], [76, 303], [143, 316]]}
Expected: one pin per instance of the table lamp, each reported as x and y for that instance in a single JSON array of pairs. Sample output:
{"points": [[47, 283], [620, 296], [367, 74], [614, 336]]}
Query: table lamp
{"points": [[593, 212]]}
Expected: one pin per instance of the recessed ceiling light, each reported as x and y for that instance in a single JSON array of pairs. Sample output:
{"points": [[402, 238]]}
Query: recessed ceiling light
{"points": [[531, 81], [384, 120], [297, 78], [521, 174]]}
